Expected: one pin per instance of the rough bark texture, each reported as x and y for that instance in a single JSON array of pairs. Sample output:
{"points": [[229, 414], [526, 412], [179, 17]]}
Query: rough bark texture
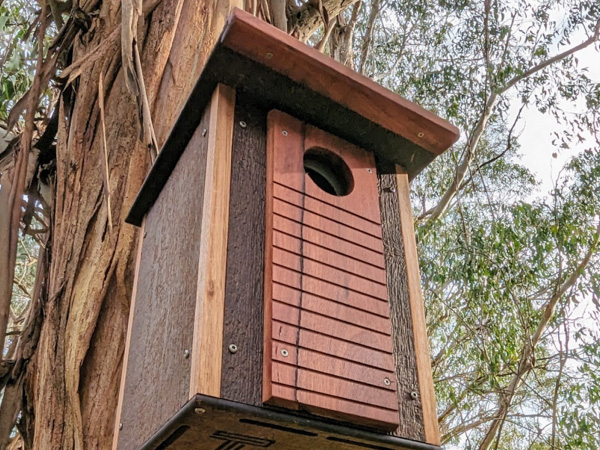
{"points": [[82, 339]]}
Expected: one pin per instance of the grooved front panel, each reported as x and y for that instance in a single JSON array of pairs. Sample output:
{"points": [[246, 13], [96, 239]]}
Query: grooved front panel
{"points": [[328, 348]]}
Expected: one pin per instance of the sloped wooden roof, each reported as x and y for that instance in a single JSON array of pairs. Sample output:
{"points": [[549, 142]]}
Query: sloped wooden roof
{"points": [[280, 72]]}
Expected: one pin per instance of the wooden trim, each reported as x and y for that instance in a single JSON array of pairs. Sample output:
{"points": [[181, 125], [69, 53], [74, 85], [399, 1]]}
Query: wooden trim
{"points": [[265, 44], [136, 274], [267, 384], [207, 346], [427, 393]]}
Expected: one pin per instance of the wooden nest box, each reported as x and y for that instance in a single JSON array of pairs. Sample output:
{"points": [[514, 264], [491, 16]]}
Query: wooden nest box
{"points": [[277, 301]]}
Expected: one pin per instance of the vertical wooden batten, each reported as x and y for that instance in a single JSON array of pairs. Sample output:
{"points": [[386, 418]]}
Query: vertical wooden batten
{"points": [[423, 359], [138, 257], [210, 294]]}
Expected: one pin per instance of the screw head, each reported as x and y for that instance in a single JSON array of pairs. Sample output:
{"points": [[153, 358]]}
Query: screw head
{"points": [[387, 381], [285, 133], [421, 134], [232, 348], [284, 353], [414, 395], [269, 55], [186, 354], [370, 170], [242, 124], [120, 425], [199, 411], [204, 132]]}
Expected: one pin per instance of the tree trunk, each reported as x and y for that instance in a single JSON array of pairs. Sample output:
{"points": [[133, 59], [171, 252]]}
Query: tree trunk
{"points": [[78, 366]]}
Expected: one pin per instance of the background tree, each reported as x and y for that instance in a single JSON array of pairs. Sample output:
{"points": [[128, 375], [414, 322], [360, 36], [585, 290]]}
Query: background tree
{"points": [[90, 89]]}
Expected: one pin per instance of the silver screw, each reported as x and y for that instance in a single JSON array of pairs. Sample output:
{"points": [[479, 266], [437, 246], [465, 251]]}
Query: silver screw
{"points": [[284, 353], [285, 133], [186, 354], [421, 135], [414, 395], [121, 426], [370, 170], [387, 381], [199, 411], [204, 132], [243, 124], [392, 189], [232, 348], [269, 55]]}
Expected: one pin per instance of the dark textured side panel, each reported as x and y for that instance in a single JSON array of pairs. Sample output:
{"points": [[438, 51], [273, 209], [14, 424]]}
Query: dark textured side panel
{"points": [[158, 373], [410, 410], [242, 371]]}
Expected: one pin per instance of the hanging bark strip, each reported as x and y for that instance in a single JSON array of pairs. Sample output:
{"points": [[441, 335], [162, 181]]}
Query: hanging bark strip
{"points": [[13, 187]]}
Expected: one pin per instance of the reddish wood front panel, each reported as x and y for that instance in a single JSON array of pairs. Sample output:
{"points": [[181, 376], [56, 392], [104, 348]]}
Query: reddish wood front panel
{"points": [[328, 348]]}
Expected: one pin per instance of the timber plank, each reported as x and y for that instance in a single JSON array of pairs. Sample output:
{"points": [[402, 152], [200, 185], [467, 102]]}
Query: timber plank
{"points": [[273, 48], [332, 346], [410, 408], [417, 310], [242, 371], [210, 294], [158, 377]]}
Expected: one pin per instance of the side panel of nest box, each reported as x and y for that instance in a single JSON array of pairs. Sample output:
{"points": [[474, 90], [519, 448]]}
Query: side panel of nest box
{"points": [[328, 344]]}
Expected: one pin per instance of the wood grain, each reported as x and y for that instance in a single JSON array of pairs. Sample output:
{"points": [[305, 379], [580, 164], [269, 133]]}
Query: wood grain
{"points": [[423, 359], [157, 376], [242, 371], [138, 258], [410, 409], [210, 296], [273, 48], [323, 288]]}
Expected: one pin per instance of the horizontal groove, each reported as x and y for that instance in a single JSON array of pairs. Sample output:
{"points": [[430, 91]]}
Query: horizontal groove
{"points": [[308, 369], [317, 213], [356, 402], [362, 277], [353, 361], [386, 361], [385, 316], [332, 318], [300, 327], [367, 314], [336, 244], [324, 280], [329, 249], [378, 223]]}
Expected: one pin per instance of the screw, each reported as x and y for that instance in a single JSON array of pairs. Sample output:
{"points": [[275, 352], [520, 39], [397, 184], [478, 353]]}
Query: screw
{"points": [[269, 55], [285, 133], [421, 135], [243, 124], [204, 132], [145, 234], [199, 411], [284, 353], [121, 426], [232, 348], [392, 189], [186, 354], [370, 170], [414, 395], [387, 381]]}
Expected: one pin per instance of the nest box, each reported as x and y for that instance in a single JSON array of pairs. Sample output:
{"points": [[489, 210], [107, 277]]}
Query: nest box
{"points": [[277, 299]]}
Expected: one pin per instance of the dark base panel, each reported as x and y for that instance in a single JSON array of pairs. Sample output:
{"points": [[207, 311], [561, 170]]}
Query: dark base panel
{"points": [[216, 424]]}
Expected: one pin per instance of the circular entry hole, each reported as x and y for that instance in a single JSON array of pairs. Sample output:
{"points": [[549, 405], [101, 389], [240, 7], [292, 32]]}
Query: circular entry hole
{"points": [[328, 171]]}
